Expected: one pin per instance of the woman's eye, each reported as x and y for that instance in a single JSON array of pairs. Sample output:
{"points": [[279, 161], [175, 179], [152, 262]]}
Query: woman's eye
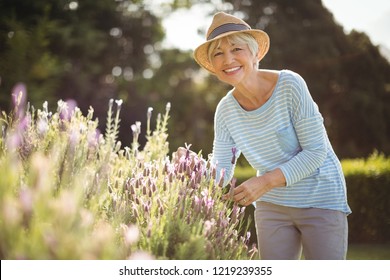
{"points": [[237, 49], [217, 54]]}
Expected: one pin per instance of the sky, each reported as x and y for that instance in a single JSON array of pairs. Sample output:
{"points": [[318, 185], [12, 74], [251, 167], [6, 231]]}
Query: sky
{"points": [[369, 16]]}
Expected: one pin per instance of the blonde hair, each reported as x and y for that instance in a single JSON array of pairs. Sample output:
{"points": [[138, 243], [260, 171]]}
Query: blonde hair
{"points": [[238, 38]]}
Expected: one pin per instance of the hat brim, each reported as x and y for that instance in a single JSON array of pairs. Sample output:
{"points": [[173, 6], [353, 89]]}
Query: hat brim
{"points": [[201, 52]]}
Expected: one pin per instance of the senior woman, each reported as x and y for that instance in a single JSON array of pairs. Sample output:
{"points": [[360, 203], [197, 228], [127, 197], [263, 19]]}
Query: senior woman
{"points": [[270, 117]]}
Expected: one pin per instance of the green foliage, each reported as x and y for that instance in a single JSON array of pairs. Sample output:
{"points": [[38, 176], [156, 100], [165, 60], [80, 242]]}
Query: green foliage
{"points": [[242, 173], [368, 186], [25, 57], [157, 145], [368, 252], [377, 164], [68, 192], [112, 123], [69, 50]]}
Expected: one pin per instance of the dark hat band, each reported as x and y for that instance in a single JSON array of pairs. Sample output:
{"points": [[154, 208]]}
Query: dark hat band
{"points": [[227, 28]]}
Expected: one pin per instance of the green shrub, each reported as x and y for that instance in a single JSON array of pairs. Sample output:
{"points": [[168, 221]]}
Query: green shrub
{"points": [[243, 172], [69, 192], [368, 186]]}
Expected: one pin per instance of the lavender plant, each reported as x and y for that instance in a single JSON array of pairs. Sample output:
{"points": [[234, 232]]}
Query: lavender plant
{"points": [[68, 192]]}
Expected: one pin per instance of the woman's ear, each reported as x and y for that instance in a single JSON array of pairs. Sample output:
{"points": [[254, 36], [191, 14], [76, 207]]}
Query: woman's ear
{"points": [[256, 59], [258, 56]]}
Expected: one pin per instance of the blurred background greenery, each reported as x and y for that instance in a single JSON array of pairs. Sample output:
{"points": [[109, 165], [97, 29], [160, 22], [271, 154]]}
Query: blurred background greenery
{"points": [[94, 50], [91, 51]]}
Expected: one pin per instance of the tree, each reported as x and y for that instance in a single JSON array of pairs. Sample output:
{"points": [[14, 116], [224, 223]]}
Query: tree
{"points": [[89, 51]]}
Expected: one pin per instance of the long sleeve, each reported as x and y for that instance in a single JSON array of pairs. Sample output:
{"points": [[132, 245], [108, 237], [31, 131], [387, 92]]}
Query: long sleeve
{"points": [[308, 125], [222, 150]]}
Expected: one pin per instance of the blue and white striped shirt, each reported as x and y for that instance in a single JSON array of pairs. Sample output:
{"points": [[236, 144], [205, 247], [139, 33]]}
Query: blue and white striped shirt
{"points": [[287, 132]]}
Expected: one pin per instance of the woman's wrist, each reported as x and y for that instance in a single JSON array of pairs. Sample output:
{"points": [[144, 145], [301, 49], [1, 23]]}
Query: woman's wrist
{"points": [[273, 179]]}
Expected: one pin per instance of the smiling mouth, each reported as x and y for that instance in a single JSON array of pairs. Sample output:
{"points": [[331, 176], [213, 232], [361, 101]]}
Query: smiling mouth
{"points": [[232, 70]]}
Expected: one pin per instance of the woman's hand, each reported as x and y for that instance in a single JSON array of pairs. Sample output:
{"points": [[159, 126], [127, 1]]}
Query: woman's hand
{"points": [[190, 158], [183, 152], [255, 187]]}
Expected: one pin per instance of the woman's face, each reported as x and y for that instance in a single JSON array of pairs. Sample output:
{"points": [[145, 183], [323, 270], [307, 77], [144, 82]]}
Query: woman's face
{"points": [[233, 62]]}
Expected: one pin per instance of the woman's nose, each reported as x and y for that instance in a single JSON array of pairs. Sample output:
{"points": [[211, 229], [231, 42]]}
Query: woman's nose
{"points": [[228, 58]]}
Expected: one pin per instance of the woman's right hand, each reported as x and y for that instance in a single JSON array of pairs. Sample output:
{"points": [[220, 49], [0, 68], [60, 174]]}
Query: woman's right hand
{"points": [[183, 152]]}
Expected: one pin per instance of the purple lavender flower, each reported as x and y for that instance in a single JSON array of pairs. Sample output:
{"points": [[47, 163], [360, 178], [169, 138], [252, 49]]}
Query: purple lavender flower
{"points": [[93, 138], [19, 98], [222, 177], [131, 189], [234, 152], [182, 164], [161, 210], [188, 150], [192, 180], [24, 124], [234, 214], [42, 127], [232, 186], [208, 227], [67, 109]]}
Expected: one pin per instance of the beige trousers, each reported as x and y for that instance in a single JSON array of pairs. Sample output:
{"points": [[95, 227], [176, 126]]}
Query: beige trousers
{"points": [[284, 233]]}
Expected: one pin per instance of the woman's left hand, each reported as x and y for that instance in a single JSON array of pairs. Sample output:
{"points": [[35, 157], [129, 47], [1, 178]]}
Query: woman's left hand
{"points": [[255, 187], [249, 191]]}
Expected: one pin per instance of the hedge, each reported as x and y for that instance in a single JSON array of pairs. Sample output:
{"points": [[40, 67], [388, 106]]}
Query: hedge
{"points": [[368, 189]]}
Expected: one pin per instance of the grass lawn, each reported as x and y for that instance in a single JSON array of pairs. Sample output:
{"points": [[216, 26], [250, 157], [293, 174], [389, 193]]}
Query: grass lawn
{"points": [[368, 252]]}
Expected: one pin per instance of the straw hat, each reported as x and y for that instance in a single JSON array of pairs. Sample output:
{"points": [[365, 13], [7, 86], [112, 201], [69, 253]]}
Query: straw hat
{"points": [[223, 25]]}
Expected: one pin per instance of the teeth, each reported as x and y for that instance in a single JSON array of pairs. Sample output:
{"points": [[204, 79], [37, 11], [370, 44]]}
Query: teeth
{"points": [[232, 69]]}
